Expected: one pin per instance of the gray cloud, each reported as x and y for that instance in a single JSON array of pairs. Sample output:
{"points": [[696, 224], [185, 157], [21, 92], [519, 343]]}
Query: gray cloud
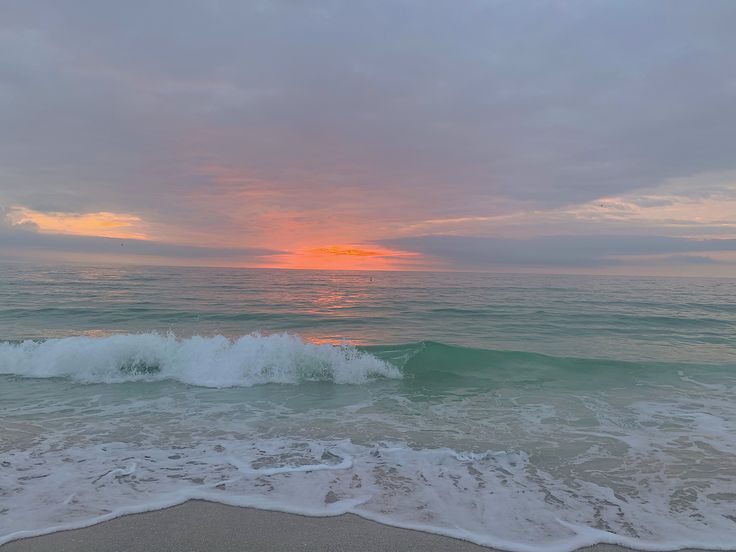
{"points": [[24, 238], [563, 251], [388, 111], [111, 104], [701, 260]]}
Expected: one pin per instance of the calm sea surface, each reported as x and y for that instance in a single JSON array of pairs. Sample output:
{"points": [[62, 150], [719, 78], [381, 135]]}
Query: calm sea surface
{"points": [[526, 412]]}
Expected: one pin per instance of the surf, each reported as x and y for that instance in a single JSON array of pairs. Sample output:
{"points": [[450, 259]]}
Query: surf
{"points": [[215, 361], [283, 358]]}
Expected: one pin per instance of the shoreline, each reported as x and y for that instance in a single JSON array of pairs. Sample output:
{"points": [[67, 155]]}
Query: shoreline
{"points": [[199, 525]]}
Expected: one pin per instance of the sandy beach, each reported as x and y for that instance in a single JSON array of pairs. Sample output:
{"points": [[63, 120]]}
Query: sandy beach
{"points": [[199, 526]]}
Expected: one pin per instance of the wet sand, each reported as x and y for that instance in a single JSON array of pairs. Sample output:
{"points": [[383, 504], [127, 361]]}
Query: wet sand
{"points": [[199, 526]]}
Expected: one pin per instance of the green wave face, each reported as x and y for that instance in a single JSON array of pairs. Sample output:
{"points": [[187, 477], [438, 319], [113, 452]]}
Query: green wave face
{"points": [[434, 364]]}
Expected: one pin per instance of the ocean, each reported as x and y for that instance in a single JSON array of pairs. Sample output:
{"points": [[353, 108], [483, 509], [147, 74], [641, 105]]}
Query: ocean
{"points": [[534, 413]]}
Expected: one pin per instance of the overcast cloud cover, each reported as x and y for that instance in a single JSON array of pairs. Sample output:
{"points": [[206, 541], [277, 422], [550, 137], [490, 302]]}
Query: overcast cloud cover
{"points": [[477, 134]]}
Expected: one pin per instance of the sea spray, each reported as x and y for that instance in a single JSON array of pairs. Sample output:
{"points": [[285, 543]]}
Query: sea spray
{"points": [[204, 361]]}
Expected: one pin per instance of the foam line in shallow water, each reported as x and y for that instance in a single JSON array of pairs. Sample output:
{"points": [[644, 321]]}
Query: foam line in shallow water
{"points": [[498, 499], [203, 361], [346, 462]]}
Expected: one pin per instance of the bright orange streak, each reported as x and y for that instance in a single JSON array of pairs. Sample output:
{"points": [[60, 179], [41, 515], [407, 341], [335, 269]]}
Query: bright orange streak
{"points": [[102, 224], [346, 257], [354, 251]]}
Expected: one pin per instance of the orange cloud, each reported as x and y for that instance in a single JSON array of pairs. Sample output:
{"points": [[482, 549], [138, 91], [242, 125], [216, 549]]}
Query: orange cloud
{"points": [[347, 257], [102, 224], [350, 251]]}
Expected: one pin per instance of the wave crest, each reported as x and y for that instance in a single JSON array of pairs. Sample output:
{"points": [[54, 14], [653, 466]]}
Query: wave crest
{"points": [[203, 361]]}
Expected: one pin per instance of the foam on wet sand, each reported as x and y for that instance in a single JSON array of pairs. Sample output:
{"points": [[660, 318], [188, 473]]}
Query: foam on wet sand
{"points": [[205, 526]]}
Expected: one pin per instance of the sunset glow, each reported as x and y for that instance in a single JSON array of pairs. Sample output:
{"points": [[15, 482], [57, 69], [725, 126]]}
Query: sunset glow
{"points": [[102, 224], [348, 251], [348, 257], [446, 141]]}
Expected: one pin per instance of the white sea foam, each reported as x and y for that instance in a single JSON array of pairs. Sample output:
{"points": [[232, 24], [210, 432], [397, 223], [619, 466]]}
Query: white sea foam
{"points": [[243, 467], [203, 361], [499, 499]]}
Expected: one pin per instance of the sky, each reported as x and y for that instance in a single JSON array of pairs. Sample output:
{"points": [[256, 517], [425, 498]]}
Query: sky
{"points": [[564, 136]]}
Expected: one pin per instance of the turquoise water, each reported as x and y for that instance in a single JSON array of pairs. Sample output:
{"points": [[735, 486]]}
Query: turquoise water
{"points": [[527, 412]]}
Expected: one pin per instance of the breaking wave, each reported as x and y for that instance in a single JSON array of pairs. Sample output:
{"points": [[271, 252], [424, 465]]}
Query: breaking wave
{"points": [[202, 361]]}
